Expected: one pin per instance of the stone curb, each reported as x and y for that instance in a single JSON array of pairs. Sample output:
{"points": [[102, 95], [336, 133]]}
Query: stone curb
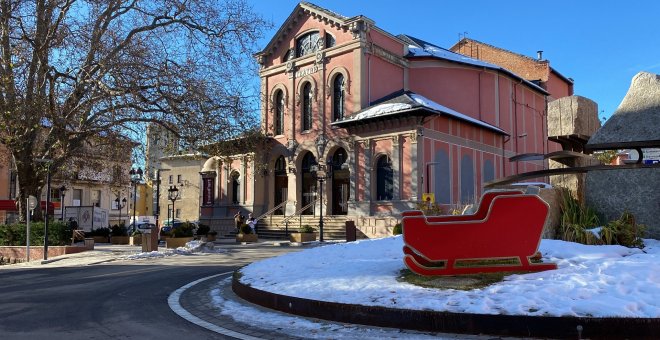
{"points": [[465, 323]]}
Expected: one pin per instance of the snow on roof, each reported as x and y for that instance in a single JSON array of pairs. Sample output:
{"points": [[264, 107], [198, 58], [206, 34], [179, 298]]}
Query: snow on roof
{"points": [[421, 48], [409, 101]]}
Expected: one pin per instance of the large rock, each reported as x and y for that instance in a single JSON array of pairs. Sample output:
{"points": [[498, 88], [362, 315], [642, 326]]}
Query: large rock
{"points": [[572, 115], [638, 117]]}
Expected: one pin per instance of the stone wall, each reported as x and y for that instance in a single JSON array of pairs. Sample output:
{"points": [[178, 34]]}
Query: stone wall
{"points": [[612, 192]]}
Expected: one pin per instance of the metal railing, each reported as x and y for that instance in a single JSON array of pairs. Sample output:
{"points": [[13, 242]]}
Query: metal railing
{"points": [[272, 211], [297, 213]]}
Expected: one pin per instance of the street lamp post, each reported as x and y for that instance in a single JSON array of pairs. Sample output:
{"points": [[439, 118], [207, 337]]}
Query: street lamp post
{"points": [[320, 172], [173, 194], [62, 194], [120, 205], [136, 177], [48, 164]]}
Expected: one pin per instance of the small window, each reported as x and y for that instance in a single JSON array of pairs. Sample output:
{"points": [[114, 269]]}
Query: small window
{"points": [[178, 179], [329, 41], [178, 213], [170, 179]]}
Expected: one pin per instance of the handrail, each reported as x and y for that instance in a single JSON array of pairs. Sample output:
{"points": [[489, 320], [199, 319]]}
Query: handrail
{"points": [[299, 211], [269, 212]]}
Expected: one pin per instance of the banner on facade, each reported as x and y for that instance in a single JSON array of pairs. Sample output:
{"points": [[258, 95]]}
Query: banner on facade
{"points": [[208, 197]]}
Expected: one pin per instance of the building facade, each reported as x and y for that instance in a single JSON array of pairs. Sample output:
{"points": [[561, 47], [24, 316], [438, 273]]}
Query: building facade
{"points": [[381, 120]]}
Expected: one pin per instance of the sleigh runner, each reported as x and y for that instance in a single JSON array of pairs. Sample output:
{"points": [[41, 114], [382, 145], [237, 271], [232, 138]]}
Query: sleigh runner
{"points": [[503, 235]]}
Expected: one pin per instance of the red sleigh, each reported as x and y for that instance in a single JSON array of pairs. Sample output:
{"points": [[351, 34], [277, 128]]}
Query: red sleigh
{"points": [[503, 235]]}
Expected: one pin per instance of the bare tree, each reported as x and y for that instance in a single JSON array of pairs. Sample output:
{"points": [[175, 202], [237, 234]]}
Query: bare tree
{"points": [[75, 70]]}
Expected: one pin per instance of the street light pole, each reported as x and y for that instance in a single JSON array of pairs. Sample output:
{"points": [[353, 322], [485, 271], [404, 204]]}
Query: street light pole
{"points": [[48, 163], [136, 176], [321, 179], [62, 194], [173, 194], [120, 206]]}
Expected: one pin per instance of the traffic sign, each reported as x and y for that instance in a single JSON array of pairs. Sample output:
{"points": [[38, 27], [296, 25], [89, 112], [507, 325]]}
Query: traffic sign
{"points": [[32, 202]]}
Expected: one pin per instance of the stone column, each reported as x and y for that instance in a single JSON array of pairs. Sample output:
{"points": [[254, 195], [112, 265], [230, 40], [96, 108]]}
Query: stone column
{"points": [[415, 157]]}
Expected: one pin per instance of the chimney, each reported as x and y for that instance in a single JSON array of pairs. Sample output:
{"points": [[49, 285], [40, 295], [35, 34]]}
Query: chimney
{"points": [[539, 55]]}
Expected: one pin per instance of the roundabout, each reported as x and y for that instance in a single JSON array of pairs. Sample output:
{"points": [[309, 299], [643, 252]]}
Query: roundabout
{"points": [[597, 292]]}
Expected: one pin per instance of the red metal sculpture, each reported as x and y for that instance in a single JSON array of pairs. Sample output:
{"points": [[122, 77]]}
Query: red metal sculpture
{"points": [[503, 235]]}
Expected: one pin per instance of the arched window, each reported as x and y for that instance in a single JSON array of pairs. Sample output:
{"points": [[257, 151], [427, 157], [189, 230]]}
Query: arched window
{"points": [[235, 187], [280, 166], [279, 113], [338, 98], [308, 43], [329, 40], [384, 178], [307, 107]]}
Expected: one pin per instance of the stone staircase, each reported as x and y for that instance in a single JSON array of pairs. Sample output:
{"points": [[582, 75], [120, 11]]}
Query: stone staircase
{"points": [[274, 228]]}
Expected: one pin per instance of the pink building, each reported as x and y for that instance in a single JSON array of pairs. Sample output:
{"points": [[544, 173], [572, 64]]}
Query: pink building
{"points": [[390, 117]]}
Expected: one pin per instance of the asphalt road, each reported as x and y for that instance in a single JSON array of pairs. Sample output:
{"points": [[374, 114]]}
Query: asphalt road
{"points": [[116, 300]]}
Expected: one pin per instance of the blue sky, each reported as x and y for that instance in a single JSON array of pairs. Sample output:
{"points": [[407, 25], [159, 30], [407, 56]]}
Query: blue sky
{"points": [[600, 44]]}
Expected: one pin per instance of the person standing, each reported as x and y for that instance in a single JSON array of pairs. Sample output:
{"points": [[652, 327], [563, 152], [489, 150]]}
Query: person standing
{"points": [[238, 219]]}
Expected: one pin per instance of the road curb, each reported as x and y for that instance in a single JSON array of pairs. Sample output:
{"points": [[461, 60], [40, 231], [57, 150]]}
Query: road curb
{"points": [[174, 302]]}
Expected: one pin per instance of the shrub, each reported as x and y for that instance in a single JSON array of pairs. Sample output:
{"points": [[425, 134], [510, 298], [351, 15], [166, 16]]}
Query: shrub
{"points": [[186, 229], [430, 209], [119, 230], [104, 232], [626, 232], [15, 234], [203, 229], [575, 219], [398, 229], [245, 229], [306, 229]]}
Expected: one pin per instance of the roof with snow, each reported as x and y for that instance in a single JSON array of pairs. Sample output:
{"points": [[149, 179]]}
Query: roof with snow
{"points": [[408, 103], [418, 48]]}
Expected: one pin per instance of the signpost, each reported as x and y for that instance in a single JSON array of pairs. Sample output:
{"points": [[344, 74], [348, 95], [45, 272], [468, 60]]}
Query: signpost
{"points": [[31, 205]]}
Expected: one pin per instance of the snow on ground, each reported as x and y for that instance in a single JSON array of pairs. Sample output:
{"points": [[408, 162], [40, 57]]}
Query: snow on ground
{"points": [[595, 281], [191, 247]]}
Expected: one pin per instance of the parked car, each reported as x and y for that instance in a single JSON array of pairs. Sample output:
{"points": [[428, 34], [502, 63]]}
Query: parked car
{"points": [[144, 226], [168, 225]]}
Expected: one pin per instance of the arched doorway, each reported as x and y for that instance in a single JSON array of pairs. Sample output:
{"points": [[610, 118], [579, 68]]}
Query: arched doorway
{"points": [[308, 184], [281, 184], [340, 183], [235, 187]]}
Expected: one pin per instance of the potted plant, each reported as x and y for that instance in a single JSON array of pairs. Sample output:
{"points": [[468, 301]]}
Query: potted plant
{"points": [[246, 235], [119, 235], [136, 238], [305, 233], [181, 235], [211, 236]]}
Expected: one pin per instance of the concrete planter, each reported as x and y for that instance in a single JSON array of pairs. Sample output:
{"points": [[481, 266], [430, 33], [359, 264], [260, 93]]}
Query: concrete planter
{"points": [[247, 238], [119, 239], [100, 239], [302, 237], [135, 240], [176, 242]]}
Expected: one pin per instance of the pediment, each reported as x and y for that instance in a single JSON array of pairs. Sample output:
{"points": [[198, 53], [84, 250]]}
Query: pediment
{"points": [[304, 11]]}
